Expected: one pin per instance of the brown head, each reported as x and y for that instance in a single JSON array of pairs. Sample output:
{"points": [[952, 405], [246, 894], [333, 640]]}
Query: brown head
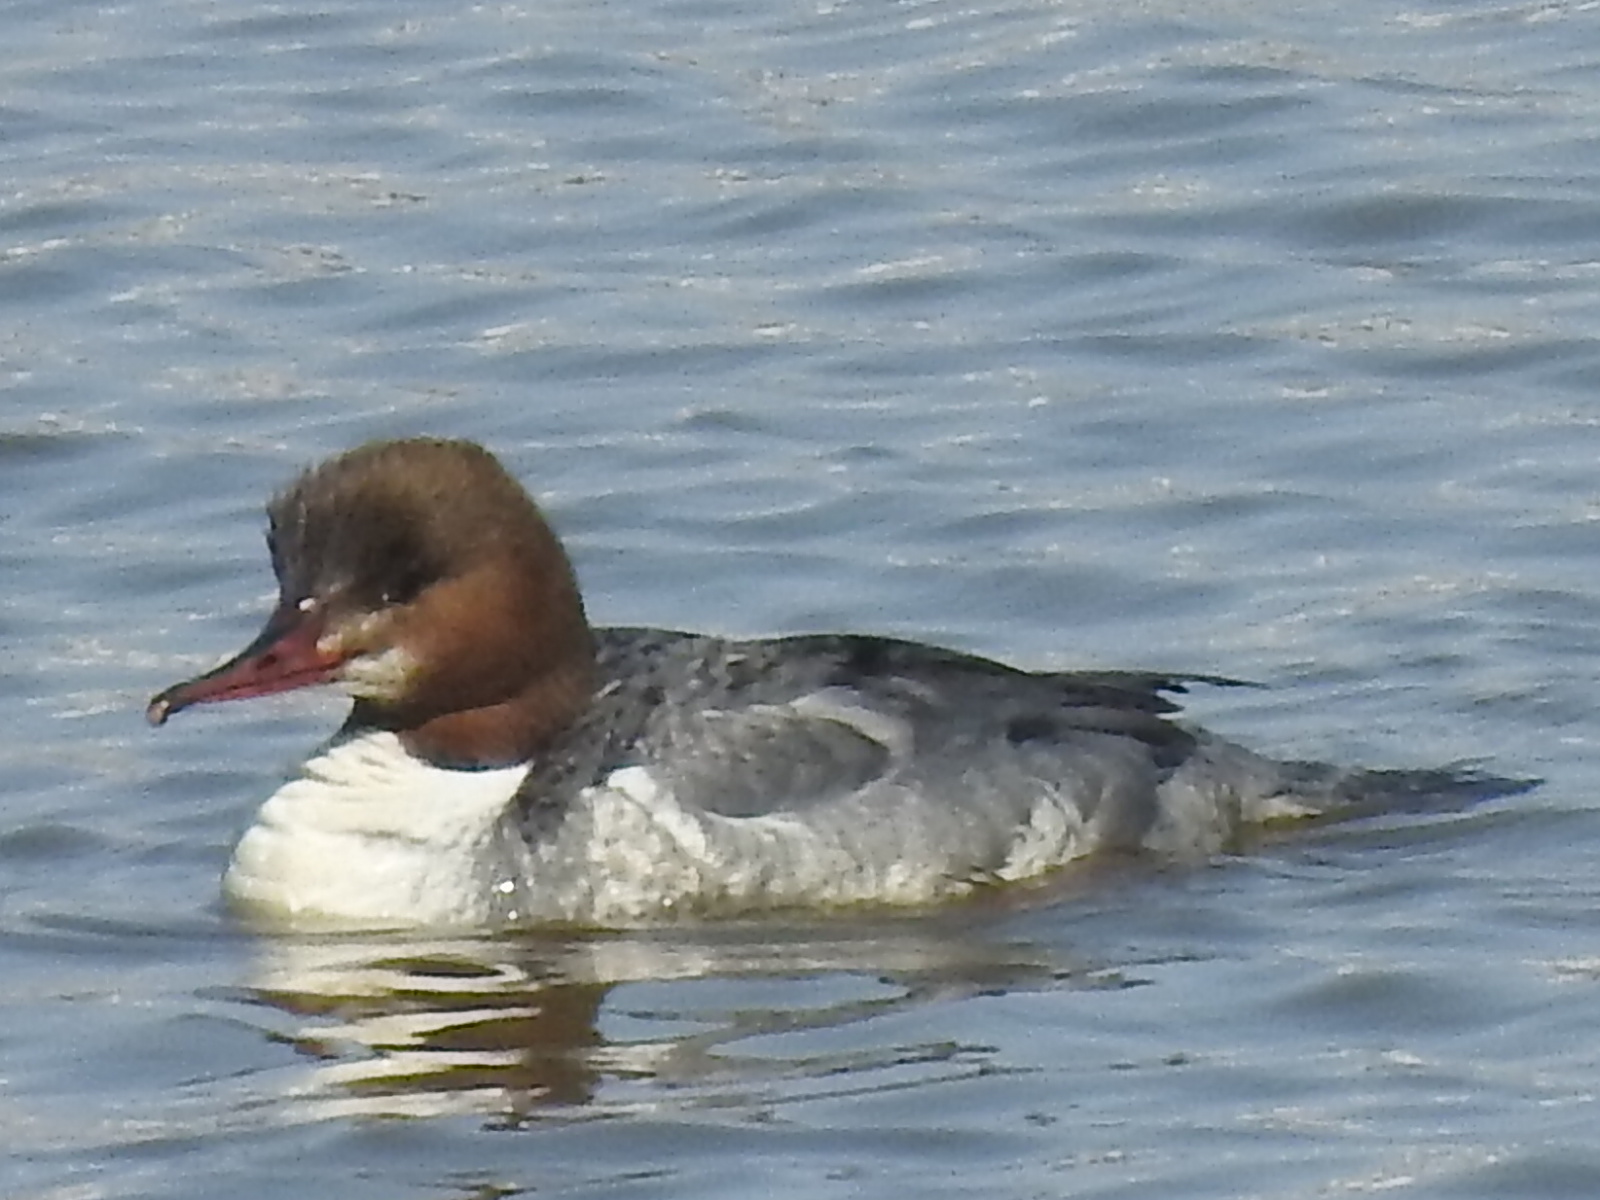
{"points": [[422, 577]]}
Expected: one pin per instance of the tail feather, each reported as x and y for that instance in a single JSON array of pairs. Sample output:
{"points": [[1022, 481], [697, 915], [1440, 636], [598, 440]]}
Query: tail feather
{"points": [[1333, 794]]}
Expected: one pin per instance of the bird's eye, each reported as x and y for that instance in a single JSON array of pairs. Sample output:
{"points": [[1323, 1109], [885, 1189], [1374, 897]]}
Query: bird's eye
{"points": [[405, 588]]}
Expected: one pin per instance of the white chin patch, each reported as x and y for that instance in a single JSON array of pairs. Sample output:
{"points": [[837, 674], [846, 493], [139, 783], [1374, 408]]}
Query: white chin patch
{"points": [[384, 677]]}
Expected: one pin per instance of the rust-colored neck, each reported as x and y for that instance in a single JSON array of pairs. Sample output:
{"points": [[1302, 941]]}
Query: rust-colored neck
{"points": [[504, 659], [492, 735]]}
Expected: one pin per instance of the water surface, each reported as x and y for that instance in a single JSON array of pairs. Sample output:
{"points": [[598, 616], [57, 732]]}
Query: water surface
{"points": [[1222, 337]]}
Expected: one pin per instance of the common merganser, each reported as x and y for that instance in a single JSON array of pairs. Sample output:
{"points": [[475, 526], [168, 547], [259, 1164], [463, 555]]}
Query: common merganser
{"points": [[505, 764]]}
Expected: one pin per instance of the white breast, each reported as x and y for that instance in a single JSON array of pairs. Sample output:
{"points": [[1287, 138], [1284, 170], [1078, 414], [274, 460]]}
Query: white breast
{"points": [[370, 837], [373, 837]]}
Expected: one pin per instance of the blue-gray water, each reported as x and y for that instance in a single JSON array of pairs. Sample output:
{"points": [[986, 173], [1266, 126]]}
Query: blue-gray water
{"points": [[1233, 337]]}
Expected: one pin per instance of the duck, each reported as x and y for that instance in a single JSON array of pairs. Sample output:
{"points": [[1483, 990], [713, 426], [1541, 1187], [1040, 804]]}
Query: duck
{"points": [[506, 764]]}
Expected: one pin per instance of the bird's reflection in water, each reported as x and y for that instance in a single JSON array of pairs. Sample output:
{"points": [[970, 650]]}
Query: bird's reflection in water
{"points": [[748, 1013], [515, 1027]]}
